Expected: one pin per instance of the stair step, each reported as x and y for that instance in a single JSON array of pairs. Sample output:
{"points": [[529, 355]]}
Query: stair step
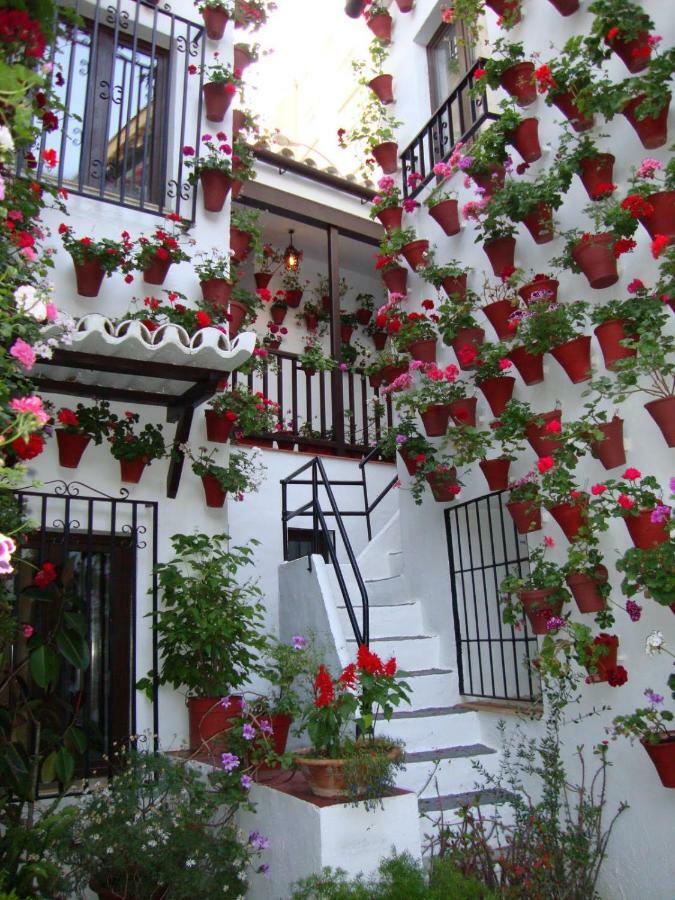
{"points": [[431, 727], [493, 796], [395, 561], [411, 651], [382, 591], [395, 618], [429, 711], [459, 752], [430, 687]]}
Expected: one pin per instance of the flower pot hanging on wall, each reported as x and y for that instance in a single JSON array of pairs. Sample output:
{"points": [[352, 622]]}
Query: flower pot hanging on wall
{"points": [[526, 515], [423, 350], [213, 492], [585, 591], [571, 517], [382, 87], [540, 288], [498, 391], [610, 334], [496, 472], [218, 426], [662, 219], [575, 358], [455, 286], [415, 253], [71, 447], [565, 103], [662, 754], [405, 6], [506, 9], [215, 20], [525, 139], [463, 411], [643, 532], [443, 484], [396, 279], [499, 315], [386, 156], [539, 437], [662, 412], [236, 315], [609, 449], [446, 213], [596, 171], [518, 81], [652, 130], [278, 312], [596, 260], [471, 338], [89, 278], [381, 25], [216, 185], [132, 469], [241, 243], [217, 98], [540, 224], [625, 50], [216, 291], [530, 366], [157, 271], [435, 419], [539, 606], [501, 253], [565, 7], [391, 217]]}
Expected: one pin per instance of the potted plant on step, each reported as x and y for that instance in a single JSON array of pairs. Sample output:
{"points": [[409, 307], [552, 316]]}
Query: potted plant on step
{"points": [[94, 260], [652, 725], [135, 450], [539, 594]]}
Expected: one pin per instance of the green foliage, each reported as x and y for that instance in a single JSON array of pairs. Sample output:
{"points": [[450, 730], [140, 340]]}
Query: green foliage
{"points": [[92, 421], [126, 443], [242, 474], [651, 572], [253, 413]]}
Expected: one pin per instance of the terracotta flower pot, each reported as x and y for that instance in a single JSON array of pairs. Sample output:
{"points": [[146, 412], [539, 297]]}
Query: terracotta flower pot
{"points": [[278, 313], [157, 271], [539, 289], [518, 81], [216, 291], [510, 8], [584, 589], [571, 517], [662, 220], [208, 718], [236, 315], [539, 606], [382, 87], [624, 50], [540, 224], [565, 7], [595, 171], [273, 345], [498, 391], [526, 515], [363, 316], [652, 130], [216, 185], [443, 484], [530, 366], [379, 339], [238, 121], [491, 180], [423, 350], [565, 103], [662, 754], [396, 279], [346, 332], [609, 449], [662, 412], [501, 253], [217, 99], [415, 253], [391, 217], [215, 20], [405, 6], [293, 299], [262, 279], [89, 278], [391, 373], [311, 321], [242, 58], [525, 139], [409, 461], [498, 315], [71, 447], [386, 156], [643, 532], [496, 472], [281, 725], [381, 25], [455, 286], [542, 441], [215, 495], [609, 335], [467, 337], [132, 469], [218, 426], [575, 358], [375, 380], [240, 244], [607, 661], [463, 412], [435, 419], [596, 260], [446, 213]]}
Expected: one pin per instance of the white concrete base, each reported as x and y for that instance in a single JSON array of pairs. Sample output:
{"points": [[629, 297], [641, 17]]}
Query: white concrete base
{"points": [[305, 837]]}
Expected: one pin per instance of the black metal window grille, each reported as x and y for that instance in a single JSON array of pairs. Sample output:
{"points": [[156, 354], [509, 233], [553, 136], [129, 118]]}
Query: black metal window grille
{"points": [[108, 547], [301, 542], [131, 105], [457, 119], [483, 547]]}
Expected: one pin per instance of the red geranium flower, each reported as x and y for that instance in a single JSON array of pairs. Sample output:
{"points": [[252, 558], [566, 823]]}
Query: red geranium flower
{"points": [[45, 576], [67, 417], [659, 244], [28, 448]]}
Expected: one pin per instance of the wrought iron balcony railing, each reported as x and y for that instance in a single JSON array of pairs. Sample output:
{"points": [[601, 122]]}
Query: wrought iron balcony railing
{"points": [[457, 119]]}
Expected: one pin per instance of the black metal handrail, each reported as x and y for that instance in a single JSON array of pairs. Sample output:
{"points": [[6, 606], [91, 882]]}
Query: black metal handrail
{"points": [[369, 507], [457, 119]]}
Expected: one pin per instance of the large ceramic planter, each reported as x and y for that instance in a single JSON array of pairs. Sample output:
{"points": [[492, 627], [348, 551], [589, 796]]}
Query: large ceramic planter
{"points": [[391, 217], [496, 472], [463, 412], [213, 492], [525, 139], [585, 591], [278, 312], [571, 517], [157, 271], [386, 156], [215, 20], [381, 26], [446, 213], [499, 315], [595, 171], [218, 427], [424, 350], [435, 419], [539, 606], [208, 718], [216, 100], [498, 391], [71, 447], [530, 366], [131, 470], [216, 291], [236, 315], [542, 442], [89, 278], [644, 533], [501, 253], [662, 754], [455, 286], [565, 103], [241, 243], [415, 253], [467, 337], [539, 289], [293, 299], [565, 7], [662, 412], [609, 335], [216, 185], [596, 260], [382, 87], [575, 358], [624, 50], [396, 279], [443, 484], [609, 449], [652, 130], [518, 81], [662, 219], [540, 224], [526, 515]]}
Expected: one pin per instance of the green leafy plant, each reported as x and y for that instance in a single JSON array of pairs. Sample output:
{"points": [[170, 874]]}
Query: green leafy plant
{"points": [[313, 358], [162, 245], [547, 325], [127, 443], [251, 412], [243, 473], [213, 265], [111, 255], [651, 572], [90, 421], [650, 724]]}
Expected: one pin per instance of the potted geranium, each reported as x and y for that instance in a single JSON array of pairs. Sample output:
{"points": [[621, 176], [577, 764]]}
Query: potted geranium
{"points": [[621, 27], [587, 577], [378, 19], [313, 360], [437, 395], [451, 276], [267, 261], [508, 68], [533, 202], [496, 231], [386, 205], [201, 580], [212, 168], [484, 163], [94, 260], [242, 474], [135, 450], [376, 129], [581, 155], [313, 316], [405, 438], [245, 55], [220, 86], [337, 765], [493, 368], [279, 307], [242, 309], [76, 428], [520, 132], [652, 726], [460, 330], [499, 302], [650, 571], [365, 307], [639, 502], [249, 413], [654, 184], [155, 254], [417, 336], [558, 329], [245, 233], [373, 75], [273, 337], [441, 200], [293, 288], [525, 502], [438, 474], [539, 593], [405, 241], [216, 15], [215, 277], [567, 82]]}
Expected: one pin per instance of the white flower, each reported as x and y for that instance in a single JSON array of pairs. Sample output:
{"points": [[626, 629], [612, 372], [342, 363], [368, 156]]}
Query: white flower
{"points": [[30, 302], [190, 863], [6, 140], [654, 643]]}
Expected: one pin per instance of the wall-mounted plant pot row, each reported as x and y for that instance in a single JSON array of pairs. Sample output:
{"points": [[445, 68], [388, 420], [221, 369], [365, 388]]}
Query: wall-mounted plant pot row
{"points": [[71, 448]]}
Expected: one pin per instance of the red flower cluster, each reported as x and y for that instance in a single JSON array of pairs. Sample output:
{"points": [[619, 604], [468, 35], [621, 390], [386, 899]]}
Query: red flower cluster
{"points": [[604, 189], [545, 80], [67, 417], [637, 206], [45, 576], [371, 663], [17, 27], [323, 687], [28, 448], [659, 244], [617, 676], [623, 245]]}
